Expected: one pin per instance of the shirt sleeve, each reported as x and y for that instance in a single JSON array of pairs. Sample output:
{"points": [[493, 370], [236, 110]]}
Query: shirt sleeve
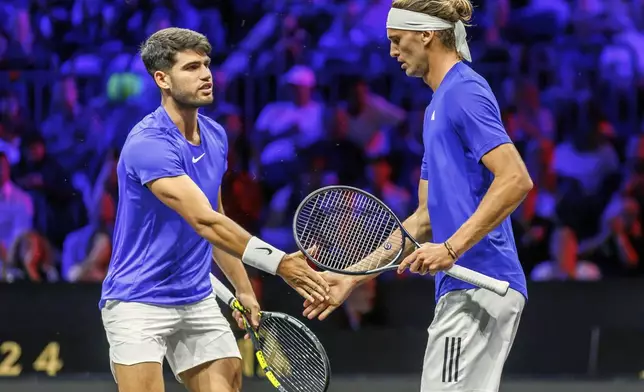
{"points": [[150, 157], [477, 119], [424, 174]]}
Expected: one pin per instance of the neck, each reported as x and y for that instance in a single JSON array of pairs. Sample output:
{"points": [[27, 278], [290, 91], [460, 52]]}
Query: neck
{"points": [[184, 118], [439, 65]]}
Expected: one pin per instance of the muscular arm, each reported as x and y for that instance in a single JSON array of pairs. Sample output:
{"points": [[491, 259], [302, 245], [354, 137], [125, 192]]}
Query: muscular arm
{"points": [[510, 186], [417, 224], [184, 196], [232, 267]]}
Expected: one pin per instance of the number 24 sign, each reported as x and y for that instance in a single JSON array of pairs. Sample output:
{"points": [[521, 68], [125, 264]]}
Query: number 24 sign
{"points": [[48, 361]]}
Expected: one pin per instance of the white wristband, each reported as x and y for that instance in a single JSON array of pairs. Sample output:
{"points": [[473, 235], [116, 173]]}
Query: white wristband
{"points": [[262, 256]]}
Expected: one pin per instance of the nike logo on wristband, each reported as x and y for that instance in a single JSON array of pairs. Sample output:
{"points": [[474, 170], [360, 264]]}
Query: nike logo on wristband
{"points": [[268, 251]]}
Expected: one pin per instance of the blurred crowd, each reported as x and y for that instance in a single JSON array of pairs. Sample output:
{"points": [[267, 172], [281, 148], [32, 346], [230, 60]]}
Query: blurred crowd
{"points": [[309, 97]]}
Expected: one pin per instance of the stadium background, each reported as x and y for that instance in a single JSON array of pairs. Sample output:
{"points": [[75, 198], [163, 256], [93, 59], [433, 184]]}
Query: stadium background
{"points": [[309, 97]]}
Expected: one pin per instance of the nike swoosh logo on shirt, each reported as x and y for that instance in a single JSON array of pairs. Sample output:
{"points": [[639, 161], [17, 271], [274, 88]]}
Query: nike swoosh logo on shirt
{"points": [[268, 251], [197, 159]]}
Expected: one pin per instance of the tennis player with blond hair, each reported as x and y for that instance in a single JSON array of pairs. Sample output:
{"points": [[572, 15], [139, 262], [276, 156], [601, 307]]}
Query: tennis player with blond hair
{"points": [[472, 178]]}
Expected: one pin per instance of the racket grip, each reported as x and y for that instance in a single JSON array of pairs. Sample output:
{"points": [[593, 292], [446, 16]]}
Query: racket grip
{"points": [[478, 279], [221, 291]]}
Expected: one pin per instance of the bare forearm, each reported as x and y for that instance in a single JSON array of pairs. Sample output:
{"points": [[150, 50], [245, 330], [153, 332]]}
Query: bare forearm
{"points": [[223, 233], [234, 270], [418, 226], [503, 197]]}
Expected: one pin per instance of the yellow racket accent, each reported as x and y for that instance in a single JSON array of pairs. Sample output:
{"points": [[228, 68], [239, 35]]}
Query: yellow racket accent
{"points": [[260, 356]]}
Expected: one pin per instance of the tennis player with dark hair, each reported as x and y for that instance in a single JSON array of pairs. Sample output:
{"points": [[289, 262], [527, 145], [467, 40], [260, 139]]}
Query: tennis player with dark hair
{"points": [[472, 179], [157, 298]]}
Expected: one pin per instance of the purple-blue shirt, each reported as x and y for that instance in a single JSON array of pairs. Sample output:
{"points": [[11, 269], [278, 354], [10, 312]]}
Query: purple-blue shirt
{"points": [[157, 257], [462, 124]]}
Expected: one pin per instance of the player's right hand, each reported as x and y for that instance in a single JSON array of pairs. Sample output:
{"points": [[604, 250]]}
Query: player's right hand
{"points": [[300, 276], [341, 287], [241, 323], [249, 301]]}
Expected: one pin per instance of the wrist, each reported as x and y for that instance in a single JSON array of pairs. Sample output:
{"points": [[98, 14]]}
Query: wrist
{"points": [[357, 280], [244, 288], [456, 245], [262, 255]]}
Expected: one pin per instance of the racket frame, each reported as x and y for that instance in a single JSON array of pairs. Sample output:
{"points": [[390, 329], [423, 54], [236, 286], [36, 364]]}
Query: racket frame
{"points": [[234, 304], [456, 271]]}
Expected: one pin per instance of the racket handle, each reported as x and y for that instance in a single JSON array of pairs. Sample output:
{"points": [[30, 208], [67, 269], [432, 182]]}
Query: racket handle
{"points": [[221, 291], [478, 279]]}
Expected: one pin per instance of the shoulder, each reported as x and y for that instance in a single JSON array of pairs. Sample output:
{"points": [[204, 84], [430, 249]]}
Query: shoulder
{"points": [[143, 136], [470, 97], [214, 128], [142, 141], [212, 124], [469, 88]]}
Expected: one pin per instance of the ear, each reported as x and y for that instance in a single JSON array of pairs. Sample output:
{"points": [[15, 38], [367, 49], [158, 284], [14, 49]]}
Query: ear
{"points": [[162, 80], [426, 37]]}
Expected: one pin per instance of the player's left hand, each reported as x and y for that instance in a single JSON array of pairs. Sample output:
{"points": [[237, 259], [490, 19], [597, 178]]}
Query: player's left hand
{"points": [[249, 301], [428, 258]]}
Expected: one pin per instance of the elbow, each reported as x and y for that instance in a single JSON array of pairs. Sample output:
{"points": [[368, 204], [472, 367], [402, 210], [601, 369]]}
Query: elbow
{"points": [[204, 222], [523, 184]]}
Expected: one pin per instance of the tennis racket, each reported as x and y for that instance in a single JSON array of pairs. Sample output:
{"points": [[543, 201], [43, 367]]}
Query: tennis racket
{"points": [[349, 231], [290, 355]]}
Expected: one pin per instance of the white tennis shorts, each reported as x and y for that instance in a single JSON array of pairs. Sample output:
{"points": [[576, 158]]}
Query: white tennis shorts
{"points": [[469, 340], [186, 335]]}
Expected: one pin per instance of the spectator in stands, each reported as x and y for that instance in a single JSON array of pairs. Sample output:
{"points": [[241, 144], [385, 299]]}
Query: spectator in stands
{"points": [[87, 251], [361, 309], [339, 150], [9, 144], [565, 264], [289, 49], [534, 120], [59, 207], [382, 186], [16, 210], [242, 193], [31, 258], [633, 184], [619, 246], [370, 119], [587, 170], [15, 124], [533, 224], [69, 129], [314, 173], [286, 127], [343, 42]]}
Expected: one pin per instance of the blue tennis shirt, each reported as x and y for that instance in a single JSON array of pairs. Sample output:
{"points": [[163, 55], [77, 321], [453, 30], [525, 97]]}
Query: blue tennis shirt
{"points": [[462, 124], [157, 256]]}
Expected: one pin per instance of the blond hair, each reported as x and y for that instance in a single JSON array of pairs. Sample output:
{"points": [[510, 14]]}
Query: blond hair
{"points": [[449, 10]]}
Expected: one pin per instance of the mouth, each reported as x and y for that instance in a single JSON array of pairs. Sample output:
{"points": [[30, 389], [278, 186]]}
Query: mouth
{"points": [[207, 86]]}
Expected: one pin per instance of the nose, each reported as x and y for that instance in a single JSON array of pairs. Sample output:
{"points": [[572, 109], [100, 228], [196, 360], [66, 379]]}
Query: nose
{"points": [[207, 74], [393, 51]]}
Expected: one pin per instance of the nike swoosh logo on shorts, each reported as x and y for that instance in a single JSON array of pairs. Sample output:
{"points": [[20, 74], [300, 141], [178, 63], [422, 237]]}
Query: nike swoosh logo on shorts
{"points": [[197, 159], [268, 251]]}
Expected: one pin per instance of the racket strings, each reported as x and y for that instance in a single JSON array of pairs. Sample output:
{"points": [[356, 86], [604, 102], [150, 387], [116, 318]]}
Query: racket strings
{"points": [[292, 356], [349, 230]]}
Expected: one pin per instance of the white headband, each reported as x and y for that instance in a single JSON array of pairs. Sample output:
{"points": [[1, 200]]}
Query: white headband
{"points": [[416, 21]]}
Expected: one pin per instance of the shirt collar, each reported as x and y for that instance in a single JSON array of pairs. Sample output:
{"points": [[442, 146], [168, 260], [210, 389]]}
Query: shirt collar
{"points": [[163, 117]]}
